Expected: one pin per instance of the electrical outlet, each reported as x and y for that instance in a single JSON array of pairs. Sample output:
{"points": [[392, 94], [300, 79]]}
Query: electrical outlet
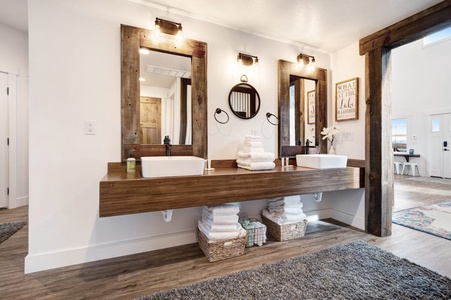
{"points": [[90, 127]]}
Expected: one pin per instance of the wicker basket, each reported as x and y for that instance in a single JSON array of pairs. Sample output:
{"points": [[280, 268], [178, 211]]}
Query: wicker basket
{"points": [[285, 232], [220, 250]]}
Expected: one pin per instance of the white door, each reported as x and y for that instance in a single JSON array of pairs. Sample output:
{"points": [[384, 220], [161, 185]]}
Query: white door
{"points": [[446, 147], [439, 146], [3, 140]]}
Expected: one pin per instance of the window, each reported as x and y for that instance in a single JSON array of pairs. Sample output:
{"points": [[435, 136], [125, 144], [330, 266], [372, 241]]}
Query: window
{"points": [[438, 36], [399, 134]]}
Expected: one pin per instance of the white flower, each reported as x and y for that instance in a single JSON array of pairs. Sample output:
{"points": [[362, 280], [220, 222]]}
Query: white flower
{"points": [[330, 132]]}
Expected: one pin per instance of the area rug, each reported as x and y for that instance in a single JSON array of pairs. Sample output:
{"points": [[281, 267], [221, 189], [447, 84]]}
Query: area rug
{"points": [[8, 229], [356, 270], [434, 219]]}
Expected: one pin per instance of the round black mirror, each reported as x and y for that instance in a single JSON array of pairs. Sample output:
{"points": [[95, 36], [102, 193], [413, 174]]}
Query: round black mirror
{"points": [[244, 101]]}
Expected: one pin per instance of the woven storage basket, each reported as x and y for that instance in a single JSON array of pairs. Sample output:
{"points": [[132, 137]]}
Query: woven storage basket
{"points": [[220, 250], [285, 232]]}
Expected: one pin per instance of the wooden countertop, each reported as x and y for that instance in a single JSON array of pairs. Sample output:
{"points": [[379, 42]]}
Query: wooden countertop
{"points": [[124, 193]]}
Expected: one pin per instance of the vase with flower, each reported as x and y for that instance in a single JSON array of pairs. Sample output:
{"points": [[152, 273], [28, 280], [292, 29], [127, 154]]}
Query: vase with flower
{"points": [[330, 134]]}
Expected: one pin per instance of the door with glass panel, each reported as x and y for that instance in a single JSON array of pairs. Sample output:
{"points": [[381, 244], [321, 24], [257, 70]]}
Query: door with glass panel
{"points": [[439, 146]]}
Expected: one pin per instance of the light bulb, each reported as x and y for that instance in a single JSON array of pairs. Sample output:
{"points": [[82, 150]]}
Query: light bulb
{"points": [[144, 51]]}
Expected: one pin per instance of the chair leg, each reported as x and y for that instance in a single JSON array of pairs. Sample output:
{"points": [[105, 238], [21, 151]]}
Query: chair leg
{"points": [[413, 170], [403, 167], [418, 168]]}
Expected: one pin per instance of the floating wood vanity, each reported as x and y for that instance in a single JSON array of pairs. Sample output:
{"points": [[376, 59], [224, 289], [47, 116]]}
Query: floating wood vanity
{"points": [[124, 193]]}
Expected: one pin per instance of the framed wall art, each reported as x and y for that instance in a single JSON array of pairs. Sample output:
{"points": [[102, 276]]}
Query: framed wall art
{"points": [[311, 97], [347, 100]]}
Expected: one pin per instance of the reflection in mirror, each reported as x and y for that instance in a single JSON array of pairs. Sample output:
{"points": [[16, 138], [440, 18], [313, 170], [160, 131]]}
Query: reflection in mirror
{"points": [[244, 101], [302, 110], [165, 90], [287, 71]]}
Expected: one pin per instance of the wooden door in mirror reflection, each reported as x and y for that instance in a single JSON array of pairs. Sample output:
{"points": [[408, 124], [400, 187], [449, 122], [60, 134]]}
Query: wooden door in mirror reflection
{"points": [[150, 120]]}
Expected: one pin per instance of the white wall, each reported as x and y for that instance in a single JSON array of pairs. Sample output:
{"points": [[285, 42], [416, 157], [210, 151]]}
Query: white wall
{"points": [[347, 64], [75, 76], [420, 84], [14, 60], [349, 206]]}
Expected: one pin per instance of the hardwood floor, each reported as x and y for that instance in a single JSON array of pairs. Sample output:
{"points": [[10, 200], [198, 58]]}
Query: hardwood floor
{"points": [[142, 274]]}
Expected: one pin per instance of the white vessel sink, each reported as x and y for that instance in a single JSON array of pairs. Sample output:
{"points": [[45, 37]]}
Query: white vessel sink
{"points": [[163, 166], [321, 161]]}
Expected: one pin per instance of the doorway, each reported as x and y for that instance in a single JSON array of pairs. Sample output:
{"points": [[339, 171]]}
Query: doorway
{"points": [[150, 121], [439, 145], [4, 125]]}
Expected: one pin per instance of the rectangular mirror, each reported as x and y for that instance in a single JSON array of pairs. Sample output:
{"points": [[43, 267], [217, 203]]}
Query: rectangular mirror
{"points": [[140, 137]]}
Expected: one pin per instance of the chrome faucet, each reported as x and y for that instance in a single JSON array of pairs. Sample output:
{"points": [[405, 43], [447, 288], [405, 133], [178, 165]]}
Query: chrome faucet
{"points": [[167, 142]]}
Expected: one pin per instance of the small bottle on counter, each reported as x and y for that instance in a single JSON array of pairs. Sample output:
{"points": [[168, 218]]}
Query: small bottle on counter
{"points": [[131, 165]]}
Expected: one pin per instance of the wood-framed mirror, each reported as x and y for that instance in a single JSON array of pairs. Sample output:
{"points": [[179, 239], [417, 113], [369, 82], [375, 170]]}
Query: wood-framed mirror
{"points": [[287, 72], [132, 40]]}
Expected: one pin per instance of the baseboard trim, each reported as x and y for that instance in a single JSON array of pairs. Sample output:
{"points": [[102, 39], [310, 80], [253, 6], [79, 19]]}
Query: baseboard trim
{"points": [[347, 218], [68, 257], [18, 202]]}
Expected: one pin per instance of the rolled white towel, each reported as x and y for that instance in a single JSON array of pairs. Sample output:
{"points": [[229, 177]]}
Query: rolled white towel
{"points": [[259, 166], [280, 202], [252, 150], [220, 220], [283, 220], [212, 227], [248, 162], [253, 144], [217, 236], [292, 199], [222, 210], [276, 202], [294, 218], [252, 138], [256, 157], [285, 210]]}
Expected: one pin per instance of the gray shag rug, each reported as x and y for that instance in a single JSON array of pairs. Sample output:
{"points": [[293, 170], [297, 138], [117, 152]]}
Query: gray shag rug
{"points": [[8, 229], [356, 270]]}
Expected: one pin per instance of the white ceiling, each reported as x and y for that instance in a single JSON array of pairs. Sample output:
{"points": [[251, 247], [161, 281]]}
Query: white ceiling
{"points": [[325, 25]]}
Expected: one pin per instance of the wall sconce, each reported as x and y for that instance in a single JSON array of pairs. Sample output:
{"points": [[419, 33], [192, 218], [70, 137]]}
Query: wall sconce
{"points": [[168, 27], [219, 111], [269, 115], [247, 59], [306, 60]]}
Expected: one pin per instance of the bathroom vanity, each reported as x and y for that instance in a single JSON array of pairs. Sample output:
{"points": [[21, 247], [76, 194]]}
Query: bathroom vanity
{"points": [[123, 193]]}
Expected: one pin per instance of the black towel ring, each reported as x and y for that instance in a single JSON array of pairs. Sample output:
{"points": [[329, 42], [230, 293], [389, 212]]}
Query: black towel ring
{"points": [[218, 111], [269, 115]]}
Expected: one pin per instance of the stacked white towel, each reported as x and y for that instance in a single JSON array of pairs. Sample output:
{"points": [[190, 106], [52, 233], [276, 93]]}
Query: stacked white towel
{"points": [[285, 210], [253, 157], [221, 222]]}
